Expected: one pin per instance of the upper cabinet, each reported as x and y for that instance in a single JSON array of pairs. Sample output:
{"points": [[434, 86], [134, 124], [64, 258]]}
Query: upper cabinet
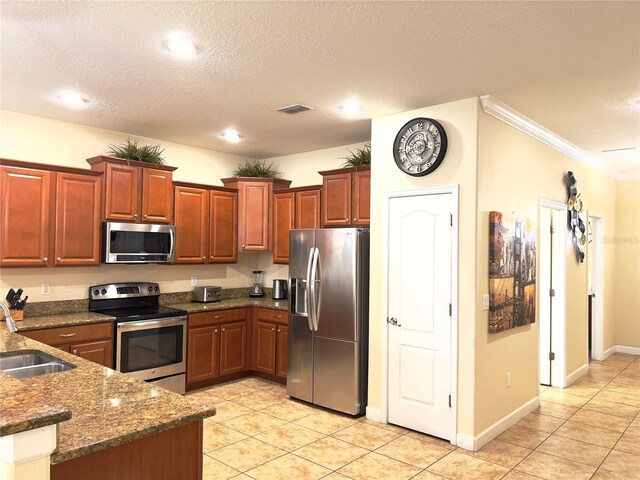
{"points": [[346, 197], [255, 210], [206, 228], [293, 208], [48, 215], [135, 191]]}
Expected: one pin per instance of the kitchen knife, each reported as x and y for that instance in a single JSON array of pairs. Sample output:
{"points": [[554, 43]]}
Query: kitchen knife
{"points": [[18, 294], [21, 304], [10, 294]]}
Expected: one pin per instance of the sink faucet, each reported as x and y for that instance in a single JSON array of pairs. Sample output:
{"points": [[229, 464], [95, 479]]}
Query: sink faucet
{"points": [[11, 323]]}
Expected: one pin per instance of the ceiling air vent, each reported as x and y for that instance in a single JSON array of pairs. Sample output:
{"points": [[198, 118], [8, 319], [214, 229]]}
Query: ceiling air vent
{"points": [[291, 109]]}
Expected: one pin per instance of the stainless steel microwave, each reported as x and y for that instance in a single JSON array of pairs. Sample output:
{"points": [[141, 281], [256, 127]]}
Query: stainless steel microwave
{"points": [[138, 242]]}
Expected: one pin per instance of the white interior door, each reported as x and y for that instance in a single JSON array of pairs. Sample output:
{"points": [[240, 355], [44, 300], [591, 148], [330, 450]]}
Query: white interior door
{"points": [[419, 292], [545, 316]]}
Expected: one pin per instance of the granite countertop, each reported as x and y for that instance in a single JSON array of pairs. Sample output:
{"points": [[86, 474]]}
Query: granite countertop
{"points": [[264, 302], [98, 407]]}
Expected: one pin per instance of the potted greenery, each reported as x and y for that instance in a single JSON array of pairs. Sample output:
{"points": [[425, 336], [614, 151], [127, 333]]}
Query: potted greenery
{"points": [[256, 168], [360, 158], [131, 150]]}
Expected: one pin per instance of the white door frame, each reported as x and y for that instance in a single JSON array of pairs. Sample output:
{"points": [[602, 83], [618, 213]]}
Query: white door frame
{"points": [[597, 314], [558, 327], [382, 321]]}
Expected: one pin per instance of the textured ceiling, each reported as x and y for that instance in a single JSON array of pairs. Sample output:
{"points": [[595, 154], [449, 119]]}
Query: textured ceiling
{"points": [[573, 67]]}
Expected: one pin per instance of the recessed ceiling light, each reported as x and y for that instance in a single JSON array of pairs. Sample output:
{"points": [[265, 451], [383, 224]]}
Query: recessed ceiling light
{"points": [[72, 99], [181, 45], [623, 153], [231, 135], [350, 107]]}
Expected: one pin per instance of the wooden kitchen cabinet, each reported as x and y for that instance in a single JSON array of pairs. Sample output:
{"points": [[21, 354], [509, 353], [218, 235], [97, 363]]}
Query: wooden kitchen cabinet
{"points": [[270, 342], [93, 342], [49, 215], [255, 210], [346, 197], [216, 346], [206, 229], [293, 208], [135, 191]]}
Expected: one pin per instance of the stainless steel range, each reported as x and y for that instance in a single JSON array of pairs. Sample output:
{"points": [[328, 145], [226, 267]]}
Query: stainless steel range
{"points": [[150, 339]]}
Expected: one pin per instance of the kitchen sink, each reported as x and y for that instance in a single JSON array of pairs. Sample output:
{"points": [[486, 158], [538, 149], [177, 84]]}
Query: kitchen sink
{"points": [[32, 363]]}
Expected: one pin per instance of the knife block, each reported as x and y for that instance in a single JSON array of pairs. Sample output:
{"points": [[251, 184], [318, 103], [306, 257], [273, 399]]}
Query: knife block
{"points": [[16, 314]]}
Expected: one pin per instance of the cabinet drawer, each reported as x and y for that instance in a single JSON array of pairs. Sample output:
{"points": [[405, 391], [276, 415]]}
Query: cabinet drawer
{"points": [[78, 333], [272, 315], [218, 316]]}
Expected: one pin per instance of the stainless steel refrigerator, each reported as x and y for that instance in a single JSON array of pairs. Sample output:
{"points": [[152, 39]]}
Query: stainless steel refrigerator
{"points": [[328, 326]]}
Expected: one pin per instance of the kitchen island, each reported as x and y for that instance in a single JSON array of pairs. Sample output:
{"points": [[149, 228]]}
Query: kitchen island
{"points": [[110, 425]]}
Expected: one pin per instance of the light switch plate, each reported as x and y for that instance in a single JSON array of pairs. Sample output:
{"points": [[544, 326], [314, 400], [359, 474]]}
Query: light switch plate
{"points": [[485, 302], [194, 281]]}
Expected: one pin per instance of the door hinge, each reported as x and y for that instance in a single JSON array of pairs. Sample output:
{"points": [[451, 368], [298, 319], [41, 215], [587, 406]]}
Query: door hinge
{"points": [[552, 356], [451, 219], [551, 229], [552, 292], [450, 309], [449, 401]]}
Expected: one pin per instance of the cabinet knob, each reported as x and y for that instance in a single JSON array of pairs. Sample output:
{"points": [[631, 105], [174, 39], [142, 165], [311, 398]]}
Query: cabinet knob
{"points": [[279, 330], [204, 258], [74, 351], [354, 219], [211, 257], [45, 259], [145, 215], [135, 215], [223, 329], [243, 245], [58, 259]]}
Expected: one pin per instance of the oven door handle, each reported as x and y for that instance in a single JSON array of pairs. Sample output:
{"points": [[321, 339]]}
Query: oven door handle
{"points": [[148, 324]]}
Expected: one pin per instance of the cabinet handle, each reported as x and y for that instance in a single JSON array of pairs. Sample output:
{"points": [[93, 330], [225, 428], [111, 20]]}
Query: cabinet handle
{"points": [[277, 316], [218, 316], [74, 351], [65, 335], [135, 215], [45, 259]]}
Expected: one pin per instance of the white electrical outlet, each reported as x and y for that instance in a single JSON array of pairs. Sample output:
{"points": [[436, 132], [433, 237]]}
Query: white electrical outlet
{"points": [[485, 302], [508, 379], [194, 281], [45, 289]]}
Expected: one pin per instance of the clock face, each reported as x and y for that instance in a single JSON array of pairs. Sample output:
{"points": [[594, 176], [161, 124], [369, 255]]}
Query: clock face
{"points": [[420, 147]]}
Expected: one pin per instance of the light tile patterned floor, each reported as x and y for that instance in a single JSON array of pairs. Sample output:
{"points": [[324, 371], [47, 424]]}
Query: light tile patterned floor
{"points": [[590, 430]]}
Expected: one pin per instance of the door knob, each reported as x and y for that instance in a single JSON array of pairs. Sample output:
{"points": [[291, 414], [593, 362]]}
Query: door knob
{"points": [[394, 321]]}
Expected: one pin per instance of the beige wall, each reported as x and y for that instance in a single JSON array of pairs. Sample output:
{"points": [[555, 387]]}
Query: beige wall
{"points": [[515, 171], [459, 168], [42, 140], [627, 263]]}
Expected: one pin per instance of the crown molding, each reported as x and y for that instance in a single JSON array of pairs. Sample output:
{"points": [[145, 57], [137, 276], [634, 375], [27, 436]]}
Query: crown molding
{"points": [[508, 115]]}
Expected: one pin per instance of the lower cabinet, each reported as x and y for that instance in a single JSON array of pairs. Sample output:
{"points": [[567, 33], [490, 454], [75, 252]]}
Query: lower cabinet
{"points": [[270, 342], [216, 345], [92, 342]]}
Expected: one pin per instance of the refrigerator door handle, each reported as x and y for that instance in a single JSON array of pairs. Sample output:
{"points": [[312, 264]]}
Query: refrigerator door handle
{"points": [[314, 272], [309, 300]]}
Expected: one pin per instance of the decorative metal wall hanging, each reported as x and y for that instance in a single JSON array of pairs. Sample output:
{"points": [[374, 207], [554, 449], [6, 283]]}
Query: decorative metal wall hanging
{"points": [[512, 272], [574, 209]]}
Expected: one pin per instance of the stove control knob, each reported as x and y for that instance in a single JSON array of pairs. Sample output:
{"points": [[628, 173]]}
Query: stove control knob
{"points": [[150, 289], [103, 291], [155, 289], [96, 292]]}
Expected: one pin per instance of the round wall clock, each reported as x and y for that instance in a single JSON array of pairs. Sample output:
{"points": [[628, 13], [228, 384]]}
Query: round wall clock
{"points": [[420, 147]]}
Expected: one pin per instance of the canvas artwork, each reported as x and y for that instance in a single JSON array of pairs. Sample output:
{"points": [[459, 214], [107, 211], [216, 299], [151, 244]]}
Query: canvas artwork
{"points": [[512, 272]]}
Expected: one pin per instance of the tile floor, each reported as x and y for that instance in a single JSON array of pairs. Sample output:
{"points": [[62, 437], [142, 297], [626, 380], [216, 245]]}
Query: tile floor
{"points": [[590, 430]]}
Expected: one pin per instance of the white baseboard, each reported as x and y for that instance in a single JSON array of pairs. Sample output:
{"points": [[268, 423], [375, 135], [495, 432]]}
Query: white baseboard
{"points": [[609, 351], [476, 443], [627, 350], [576, 374], [375, 414]]}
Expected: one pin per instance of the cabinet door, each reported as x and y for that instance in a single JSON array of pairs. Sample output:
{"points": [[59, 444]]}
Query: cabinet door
{"points": [[223, 227], [254, 216], [203, 353], [307, 209], [100, 352], [265, 347], [361, 198], [283, 221], [336, 200], [233, 347], [157, 196], [121, 192], [77, 222], [282, 350], [24, 217], [192, 224]]}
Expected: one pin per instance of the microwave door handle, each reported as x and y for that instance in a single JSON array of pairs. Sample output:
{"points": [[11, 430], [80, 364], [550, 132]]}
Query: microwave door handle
{"points": [[172, 239], [308, 298]]}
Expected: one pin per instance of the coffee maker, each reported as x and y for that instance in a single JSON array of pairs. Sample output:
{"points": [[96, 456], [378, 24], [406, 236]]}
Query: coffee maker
{"points": [[257, 284]]}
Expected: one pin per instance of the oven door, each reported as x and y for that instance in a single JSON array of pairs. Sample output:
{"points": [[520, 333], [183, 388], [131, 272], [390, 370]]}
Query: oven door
{"points": [[152, 348]]}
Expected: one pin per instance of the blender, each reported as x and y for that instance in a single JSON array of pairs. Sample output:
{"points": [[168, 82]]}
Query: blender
{"points": [[257, 281]]}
